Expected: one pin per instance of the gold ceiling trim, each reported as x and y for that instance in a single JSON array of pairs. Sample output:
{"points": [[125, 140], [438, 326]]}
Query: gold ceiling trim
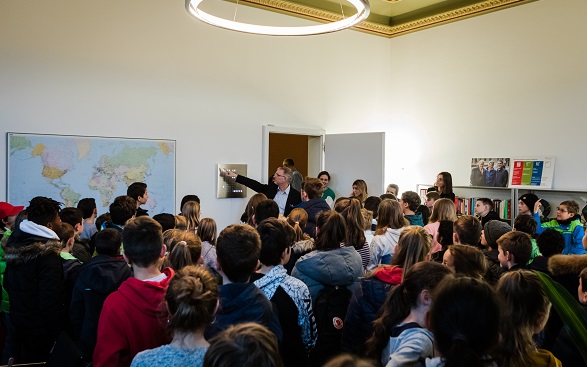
{"points": [[305, 11]]}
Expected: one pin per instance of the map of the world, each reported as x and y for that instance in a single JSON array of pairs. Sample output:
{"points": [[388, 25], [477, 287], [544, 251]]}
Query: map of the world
{"points": [[70, 168]]}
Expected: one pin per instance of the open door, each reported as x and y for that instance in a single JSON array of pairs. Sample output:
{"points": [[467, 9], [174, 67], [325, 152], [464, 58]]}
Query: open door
{"points": [[346, 157], [349, 157]]}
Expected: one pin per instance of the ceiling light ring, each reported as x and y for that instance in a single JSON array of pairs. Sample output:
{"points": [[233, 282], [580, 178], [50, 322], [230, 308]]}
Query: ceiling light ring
{"points": [[361, 6]]}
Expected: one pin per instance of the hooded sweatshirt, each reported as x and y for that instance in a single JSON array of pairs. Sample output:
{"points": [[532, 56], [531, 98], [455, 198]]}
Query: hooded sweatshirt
{"points": [[407, 344], [383, 247], [34, 281], [131, 321], [97, 279]]}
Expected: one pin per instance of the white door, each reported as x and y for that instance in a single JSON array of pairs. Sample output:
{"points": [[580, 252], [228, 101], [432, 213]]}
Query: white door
{"points": [[349, 157]]}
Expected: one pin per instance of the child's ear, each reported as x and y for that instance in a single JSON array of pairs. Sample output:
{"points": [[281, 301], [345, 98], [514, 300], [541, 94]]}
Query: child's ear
{"points": [[200, 260], [455, 238], [126, 259], [425, 297], [70, 243], [509, 256], [163, 251]]}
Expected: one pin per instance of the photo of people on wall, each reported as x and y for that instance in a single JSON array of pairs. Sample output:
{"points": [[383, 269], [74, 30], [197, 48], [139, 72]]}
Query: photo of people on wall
{"points": [[490, 172]]}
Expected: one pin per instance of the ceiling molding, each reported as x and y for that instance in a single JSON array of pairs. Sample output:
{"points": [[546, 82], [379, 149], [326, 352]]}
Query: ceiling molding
{"points": [[305, 11]]}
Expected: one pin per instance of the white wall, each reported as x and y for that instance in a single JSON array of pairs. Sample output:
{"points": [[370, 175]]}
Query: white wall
{"points": [[147, 69]]}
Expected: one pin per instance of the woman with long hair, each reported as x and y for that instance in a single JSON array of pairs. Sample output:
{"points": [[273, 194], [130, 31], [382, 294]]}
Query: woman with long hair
{"points": [[444, 209], [303, 244], [443, 185], [208, 233], [413, 247], [350, 209], [526, 311], [192, 299], [191, 212], [390, 223], [247, 216], [360, 190], [465, 319], [399, 335], [183, 248]]}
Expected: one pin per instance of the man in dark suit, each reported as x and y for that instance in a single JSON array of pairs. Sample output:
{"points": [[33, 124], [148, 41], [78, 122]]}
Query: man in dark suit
{"points": [[478, 174], [501, 175], [278, 188]]}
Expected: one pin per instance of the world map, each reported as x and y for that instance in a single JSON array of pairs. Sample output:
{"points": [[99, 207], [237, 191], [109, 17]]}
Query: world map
{"points": [[70, 168]]}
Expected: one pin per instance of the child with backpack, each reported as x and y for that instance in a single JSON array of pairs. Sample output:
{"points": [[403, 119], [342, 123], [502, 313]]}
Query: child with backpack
{"points": [[330, 272]]}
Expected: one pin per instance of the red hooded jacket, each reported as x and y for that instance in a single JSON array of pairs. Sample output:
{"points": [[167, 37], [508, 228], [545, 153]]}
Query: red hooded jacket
{"points": [[131, 321]]}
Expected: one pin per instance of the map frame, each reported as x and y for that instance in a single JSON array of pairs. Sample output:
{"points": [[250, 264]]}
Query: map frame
{"points": [[168, 144]]}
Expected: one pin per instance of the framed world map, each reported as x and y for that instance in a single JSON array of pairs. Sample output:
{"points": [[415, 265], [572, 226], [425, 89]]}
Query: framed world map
{"points": [[69, 168]]}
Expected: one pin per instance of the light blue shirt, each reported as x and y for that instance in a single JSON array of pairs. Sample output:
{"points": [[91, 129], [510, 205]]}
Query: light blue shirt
{"points": [[281, 199]]}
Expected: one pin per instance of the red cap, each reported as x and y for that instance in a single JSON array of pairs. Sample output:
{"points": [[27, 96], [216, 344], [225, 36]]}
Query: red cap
{"points": [[7, 210]]}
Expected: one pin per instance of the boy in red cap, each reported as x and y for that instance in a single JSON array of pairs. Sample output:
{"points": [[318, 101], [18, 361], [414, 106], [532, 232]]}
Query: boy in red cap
{"points": [[8, 213]]}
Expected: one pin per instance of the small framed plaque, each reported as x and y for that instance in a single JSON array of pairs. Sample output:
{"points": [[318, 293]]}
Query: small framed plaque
{"points": [[227, 187]]}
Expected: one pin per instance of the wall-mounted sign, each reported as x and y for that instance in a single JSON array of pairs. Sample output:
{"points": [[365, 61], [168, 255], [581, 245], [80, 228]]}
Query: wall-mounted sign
{"points": [[227, 187]]}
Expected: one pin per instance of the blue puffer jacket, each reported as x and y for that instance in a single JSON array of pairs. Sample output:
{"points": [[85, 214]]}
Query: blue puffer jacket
{"points": [[339, 267], [573, 233]]}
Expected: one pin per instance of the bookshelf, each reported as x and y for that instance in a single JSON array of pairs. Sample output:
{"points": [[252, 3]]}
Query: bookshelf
{"points": [[504, 200]]}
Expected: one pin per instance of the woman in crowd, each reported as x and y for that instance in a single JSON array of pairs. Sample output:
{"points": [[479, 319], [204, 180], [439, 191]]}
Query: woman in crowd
{"points": [[328, 193], [191, 212], [390, 223], [444, 209], [360, 190], [208, 233], [444, 185], [350, 209], [192, 299], [400, 336]]}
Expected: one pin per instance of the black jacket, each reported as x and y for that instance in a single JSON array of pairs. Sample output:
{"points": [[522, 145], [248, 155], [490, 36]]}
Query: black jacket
{"points": [[240, 303], [313, 207], [492, 215], [34, 282], [96, 279], [270, 190]]}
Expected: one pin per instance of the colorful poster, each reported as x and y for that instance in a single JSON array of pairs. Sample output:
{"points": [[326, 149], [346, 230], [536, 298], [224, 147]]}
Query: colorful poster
{"points": [[532, 172]]}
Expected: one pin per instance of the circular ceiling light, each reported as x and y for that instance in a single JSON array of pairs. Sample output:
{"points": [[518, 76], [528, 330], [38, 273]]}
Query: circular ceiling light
{"points": [[361, 6]]}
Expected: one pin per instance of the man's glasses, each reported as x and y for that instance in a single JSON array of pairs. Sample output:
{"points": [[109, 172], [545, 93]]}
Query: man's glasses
{"points": [[278, 175]]}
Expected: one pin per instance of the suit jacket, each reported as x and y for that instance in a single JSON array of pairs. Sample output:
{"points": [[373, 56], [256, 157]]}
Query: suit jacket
{"points": [[270, 190]]}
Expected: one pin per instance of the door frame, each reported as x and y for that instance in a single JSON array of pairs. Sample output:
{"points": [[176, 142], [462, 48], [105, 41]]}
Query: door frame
{"points": [[311, 132]]}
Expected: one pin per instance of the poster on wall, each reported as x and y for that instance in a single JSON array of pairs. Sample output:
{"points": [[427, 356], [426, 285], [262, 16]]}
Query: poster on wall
{"points": [[489, 172], [532, 173], [68, 168]]}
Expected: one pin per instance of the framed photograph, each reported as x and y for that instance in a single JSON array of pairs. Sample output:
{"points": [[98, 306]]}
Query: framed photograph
{"points": [[489, 172], [68, 168]]}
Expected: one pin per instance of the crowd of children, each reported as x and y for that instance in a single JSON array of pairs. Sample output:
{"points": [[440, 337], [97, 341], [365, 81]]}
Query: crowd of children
{"points": [[374, 281]]}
